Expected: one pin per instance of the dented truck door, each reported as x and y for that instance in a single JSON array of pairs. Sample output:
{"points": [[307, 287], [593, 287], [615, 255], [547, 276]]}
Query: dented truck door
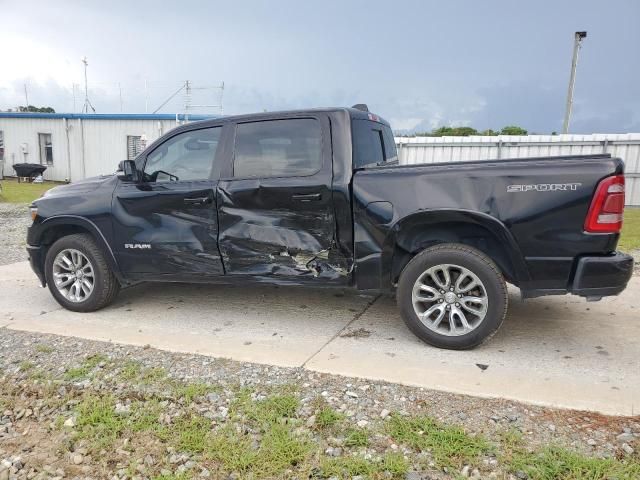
{"points": [[275, 204], [167, 223]]}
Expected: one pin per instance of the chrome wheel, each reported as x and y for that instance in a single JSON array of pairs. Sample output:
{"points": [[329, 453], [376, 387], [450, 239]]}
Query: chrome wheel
{"points": [[73, 275], [450, 300]]}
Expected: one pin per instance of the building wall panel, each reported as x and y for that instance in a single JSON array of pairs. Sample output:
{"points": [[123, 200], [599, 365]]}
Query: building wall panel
{"points": [[414, 150]]}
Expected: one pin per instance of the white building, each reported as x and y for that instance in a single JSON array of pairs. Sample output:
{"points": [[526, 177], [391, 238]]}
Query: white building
{"points": [[76, 146]]}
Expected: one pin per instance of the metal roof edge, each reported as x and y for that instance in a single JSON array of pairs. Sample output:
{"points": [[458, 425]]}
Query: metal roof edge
{"points": [[110, 116]]}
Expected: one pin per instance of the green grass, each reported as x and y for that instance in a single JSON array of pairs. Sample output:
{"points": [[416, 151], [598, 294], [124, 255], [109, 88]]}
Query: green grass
{"points": [[43, 348], [98, 423], [356, 437], [449, 445], [133, 371], [190, 433], [391, 464], [327, 417], [558, 463], [26, 365], [14, 192], [630, 237], [233, 450], [267, 411], [269, 437], [85, 369], [191, 391]]}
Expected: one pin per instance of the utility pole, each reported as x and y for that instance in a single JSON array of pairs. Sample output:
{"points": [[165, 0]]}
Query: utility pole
{"points": [[87, 102], [577, 44]]}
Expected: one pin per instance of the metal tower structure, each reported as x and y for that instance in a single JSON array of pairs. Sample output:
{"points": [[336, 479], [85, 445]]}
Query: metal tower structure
{"points": [[87, 103]]}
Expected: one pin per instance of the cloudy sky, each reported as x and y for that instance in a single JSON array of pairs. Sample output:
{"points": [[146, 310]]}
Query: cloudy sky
{"points": [[420, 64]]}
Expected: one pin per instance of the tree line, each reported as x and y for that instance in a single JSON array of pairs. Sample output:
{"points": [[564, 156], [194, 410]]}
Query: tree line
{"points": [[468, 131], [31, 109]]}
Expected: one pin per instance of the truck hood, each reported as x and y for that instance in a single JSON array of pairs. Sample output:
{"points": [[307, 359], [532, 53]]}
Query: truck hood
{"points": [[82, 186]]}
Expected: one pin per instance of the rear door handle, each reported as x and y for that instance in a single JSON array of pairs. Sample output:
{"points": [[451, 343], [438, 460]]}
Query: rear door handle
{"points": [[198, 201], [307, 197]]}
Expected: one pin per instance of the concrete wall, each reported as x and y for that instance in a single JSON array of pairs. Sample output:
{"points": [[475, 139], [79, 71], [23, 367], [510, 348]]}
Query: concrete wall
{"points": [[413, 150]]}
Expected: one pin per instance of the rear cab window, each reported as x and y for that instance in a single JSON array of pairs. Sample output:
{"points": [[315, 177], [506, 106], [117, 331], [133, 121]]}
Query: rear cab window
{"points": [[373, 143]]}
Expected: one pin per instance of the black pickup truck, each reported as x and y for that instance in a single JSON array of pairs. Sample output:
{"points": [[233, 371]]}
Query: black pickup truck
{"points": [[317, 198]]}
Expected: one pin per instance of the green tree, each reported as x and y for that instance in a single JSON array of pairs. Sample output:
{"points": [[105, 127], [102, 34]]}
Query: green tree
{"points": [[453, 132], [489, 132], [34, 109], [513, 130]]}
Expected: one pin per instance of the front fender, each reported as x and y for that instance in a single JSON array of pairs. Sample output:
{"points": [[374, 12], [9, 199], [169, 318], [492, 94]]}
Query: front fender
{"points": [[39, 235]]}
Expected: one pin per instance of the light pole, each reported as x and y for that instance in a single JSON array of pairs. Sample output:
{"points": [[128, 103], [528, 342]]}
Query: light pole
{"points": [[577, 43]]}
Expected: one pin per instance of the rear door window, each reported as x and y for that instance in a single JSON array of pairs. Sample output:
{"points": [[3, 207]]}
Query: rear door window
{"points": [[278, 148], [373, 143]]}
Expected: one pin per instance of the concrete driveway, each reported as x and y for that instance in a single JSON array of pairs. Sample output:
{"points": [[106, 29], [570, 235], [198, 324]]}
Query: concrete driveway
{"points": [[558, 351]]}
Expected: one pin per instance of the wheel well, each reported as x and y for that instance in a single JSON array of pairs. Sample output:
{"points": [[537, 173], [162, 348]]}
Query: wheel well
{"points": [[56, 232], [415, 238]]}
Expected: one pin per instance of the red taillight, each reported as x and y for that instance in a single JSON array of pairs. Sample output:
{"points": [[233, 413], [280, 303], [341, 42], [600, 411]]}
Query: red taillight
{"points": [[607, 207]]}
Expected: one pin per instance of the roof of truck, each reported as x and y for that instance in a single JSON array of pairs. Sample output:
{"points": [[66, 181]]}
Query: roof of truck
{"points": [[353, 113]]}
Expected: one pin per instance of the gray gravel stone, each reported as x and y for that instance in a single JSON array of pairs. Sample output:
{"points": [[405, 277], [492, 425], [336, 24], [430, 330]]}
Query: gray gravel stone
{"points": [[15, 219], [625, 437]]}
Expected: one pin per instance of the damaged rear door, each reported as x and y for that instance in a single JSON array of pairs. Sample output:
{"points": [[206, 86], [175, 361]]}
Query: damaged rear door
{"points": [[275, 204]]}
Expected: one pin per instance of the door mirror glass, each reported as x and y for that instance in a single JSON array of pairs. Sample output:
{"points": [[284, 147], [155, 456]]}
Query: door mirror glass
{"points": [[127, 171]]}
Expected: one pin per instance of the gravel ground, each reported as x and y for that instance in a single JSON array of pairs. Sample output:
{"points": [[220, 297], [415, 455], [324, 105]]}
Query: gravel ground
{"points": [[14, 219], [32, 447], [29, 434]]}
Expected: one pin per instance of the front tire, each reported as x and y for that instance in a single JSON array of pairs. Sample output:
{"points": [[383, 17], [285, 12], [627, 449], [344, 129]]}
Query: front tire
{"points": [[78, 275], [452, 296]]}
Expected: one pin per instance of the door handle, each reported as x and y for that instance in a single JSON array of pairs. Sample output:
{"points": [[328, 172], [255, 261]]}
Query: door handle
{"points": [[198, 201], [307, 197]]}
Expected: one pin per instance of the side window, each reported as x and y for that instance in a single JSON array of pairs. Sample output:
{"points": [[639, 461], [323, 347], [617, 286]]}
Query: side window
{"points": [[186, 156], [278, 148], [373, 143], [390, 150], [368, 147]]}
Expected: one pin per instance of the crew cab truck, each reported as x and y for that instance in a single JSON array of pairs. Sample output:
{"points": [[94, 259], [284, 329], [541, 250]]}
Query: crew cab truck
{"points": [[317, 198]]}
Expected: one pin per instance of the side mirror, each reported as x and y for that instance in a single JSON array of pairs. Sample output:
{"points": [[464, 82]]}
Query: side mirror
{"points": [[127, 171]]}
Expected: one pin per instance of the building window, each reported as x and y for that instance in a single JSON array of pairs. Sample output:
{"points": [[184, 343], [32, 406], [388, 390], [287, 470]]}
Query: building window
{"points": [[135, 145], [1, 146], [46, 149]]}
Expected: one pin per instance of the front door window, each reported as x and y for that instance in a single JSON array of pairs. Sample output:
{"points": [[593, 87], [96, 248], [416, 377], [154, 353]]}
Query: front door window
{"points": [[186, 156]]}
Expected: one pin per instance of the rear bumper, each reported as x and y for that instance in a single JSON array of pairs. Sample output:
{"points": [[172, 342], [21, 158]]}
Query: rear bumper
{"points": [[36, 259], [602, 276]]}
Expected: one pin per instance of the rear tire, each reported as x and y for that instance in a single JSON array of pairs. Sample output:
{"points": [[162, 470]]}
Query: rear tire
{"points": [[452, 296], [78, 275]]}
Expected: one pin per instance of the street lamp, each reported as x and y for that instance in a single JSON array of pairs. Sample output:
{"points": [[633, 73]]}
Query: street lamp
{"points": [[577, 43]]}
